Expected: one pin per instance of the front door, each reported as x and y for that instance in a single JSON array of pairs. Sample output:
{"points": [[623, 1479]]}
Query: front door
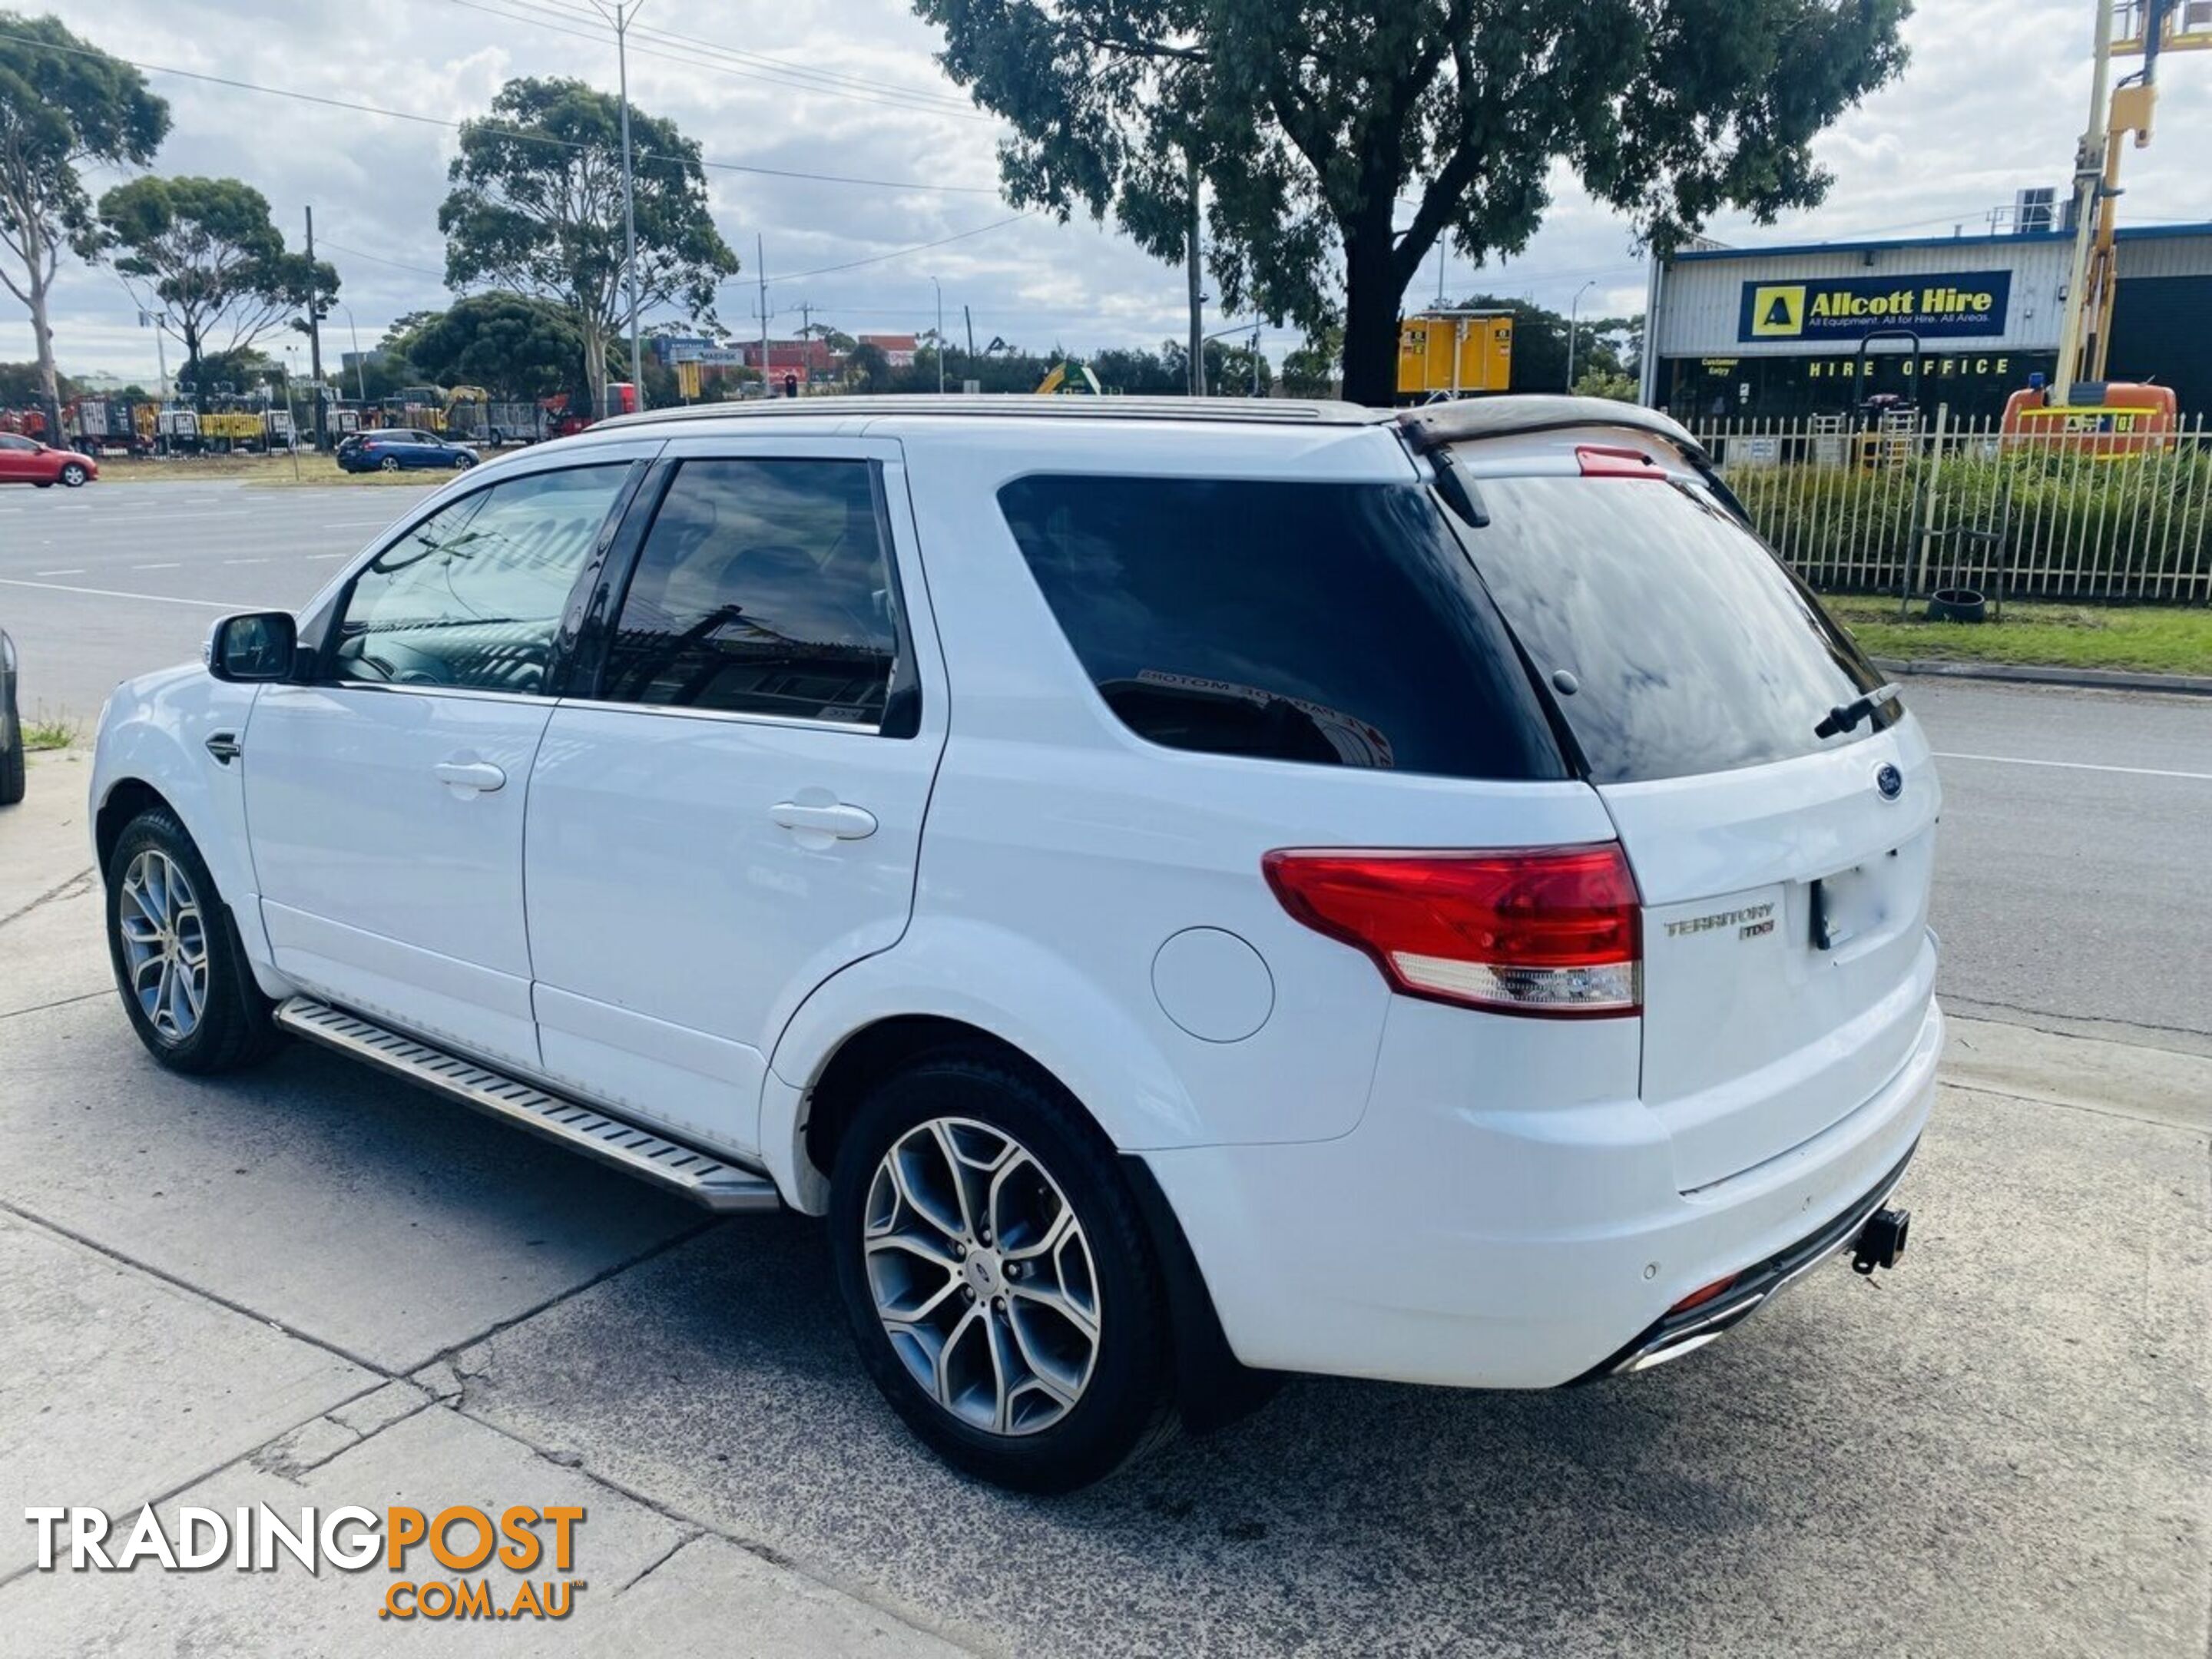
{"points": [[385, 799], [734, 810], [18, 459]]}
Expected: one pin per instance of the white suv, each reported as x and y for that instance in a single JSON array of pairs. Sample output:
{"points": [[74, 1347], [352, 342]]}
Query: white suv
{"points": [[1192, 891]]}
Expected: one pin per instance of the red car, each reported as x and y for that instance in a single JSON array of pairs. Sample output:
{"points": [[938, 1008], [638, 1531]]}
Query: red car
{"points": [[26, 460]]}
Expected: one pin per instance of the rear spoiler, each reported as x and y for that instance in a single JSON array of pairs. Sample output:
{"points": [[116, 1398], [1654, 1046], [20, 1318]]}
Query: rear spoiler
{"points": [[1434, 428]]}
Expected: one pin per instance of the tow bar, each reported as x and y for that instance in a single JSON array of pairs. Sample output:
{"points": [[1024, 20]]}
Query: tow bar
{"points": [[1881, 1241]]}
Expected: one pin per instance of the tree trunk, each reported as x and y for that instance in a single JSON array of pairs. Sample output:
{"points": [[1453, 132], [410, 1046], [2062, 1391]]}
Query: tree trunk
{"points": [[192, 365], [42, 336], [1371, 292], [1191, 252], [595, 365]]}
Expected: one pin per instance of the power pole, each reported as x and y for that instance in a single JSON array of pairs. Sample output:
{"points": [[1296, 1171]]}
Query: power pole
{"points": [[970, 317], [760, 262], [939, 287], [1195, 377], [315, 342]]}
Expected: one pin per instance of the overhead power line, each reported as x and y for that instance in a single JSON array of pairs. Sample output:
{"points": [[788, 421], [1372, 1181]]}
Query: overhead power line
{"points": [[823, 79], [703, 54], [901, 252], [379, 260], [513, 132]]}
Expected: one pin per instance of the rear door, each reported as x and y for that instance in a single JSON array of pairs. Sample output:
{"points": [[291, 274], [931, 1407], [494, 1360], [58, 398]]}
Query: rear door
{"points": [[1788, 966], [733, 811]]}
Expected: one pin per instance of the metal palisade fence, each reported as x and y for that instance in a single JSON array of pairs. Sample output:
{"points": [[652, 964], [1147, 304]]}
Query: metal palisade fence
{"points": [[1900, 503]]}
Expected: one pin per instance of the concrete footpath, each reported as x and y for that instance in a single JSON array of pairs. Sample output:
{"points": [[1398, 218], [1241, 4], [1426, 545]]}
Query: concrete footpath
{"points": [[308, 1285]]}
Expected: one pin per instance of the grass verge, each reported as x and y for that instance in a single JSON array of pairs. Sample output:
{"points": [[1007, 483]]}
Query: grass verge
{"points": [[2155, 639], [42, 732], [275, 470]]}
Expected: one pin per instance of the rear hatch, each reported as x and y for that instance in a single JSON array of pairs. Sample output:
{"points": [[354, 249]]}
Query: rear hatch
{"points": [[1784, 874]]}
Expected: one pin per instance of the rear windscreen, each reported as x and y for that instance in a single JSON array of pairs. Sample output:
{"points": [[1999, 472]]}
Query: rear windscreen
{"points": [[1692, 649], [1337, 624]]}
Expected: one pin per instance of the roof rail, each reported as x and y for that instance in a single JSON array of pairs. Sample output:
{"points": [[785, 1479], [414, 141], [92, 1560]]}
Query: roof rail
{"points": [[1468, 420], [1022, 405]]}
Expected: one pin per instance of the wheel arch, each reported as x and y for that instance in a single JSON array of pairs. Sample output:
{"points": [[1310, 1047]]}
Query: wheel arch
{"points": [[963, 981], [146, 758], [1212, 1388]]}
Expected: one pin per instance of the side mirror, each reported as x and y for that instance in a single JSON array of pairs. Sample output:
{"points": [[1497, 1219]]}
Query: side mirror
{"points": [[256, 647]]}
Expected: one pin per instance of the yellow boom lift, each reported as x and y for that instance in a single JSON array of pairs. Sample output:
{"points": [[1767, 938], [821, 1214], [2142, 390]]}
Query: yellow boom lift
{"points": [[2106, 417]]}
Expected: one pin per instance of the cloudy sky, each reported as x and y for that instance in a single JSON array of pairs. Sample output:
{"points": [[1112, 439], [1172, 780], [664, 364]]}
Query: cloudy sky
{"points": [[1993, 100]]}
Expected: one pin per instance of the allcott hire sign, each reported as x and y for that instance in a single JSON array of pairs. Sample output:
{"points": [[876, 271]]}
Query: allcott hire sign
{"points": [[1837, 309]]}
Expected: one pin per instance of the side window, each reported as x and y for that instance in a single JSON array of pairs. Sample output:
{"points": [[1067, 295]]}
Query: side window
{"points": [[1337, 624], [472, 596], [764, 587]]}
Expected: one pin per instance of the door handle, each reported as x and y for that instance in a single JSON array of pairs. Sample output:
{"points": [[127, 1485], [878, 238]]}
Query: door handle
{"points": [[477, 776], [835, 820]]}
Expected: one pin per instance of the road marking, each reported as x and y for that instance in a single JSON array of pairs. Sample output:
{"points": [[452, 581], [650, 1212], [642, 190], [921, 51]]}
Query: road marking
{"points": [[74, 570], [246, 562], [172, 565], [326, 555], [2079, 766], [112, 593]]}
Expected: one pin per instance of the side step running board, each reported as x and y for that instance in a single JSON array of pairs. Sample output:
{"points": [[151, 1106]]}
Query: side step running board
{"points": [[700, 1176]]}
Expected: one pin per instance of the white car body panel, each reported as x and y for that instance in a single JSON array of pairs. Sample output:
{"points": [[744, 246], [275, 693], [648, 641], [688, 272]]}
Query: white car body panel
{"points": [[624, 922]]}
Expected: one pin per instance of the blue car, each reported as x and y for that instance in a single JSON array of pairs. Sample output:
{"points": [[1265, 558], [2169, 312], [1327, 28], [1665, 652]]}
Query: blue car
{"points": [[392, 449]]}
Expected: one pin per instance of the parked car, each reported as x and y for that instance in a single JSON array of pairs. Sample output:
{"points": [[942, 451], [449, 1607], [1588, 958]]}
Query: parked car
{"points": [[1191, 891], [26, 460], [12, 766], [390, 449]]}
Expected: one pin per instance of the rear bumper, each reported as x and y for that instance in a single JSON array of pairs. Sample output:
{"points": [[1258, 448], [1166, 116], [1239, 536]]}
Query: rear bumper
{"points": [[1514, 1249], [1674, 1334]]}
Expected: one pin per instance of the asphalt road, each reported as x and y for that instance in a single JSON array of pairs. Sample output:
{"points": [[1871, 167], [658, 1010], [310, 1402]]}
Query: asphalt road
{"points": [[2069, 885]]}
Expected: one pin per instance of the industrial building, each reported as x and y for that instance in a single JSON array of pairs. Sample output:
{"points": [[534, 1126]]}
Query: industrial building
{"points": [[1962, 320]]}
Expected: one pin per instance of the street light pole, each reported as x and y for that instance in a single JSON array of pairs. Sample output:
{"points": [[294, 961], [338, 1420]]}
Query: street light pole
{"points": [[939, 287], [359, 379], [624, 14], [1574, 312]]}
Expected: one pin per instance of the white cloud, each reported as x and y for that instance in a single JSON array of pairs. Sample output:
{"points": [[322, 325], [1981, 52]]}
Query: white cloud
{"points": [[1994, 99]]}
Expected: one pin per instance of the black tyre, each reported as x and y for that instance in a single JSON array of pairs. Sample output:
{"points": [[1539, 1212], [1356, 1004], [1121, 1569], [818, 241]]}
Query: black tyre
{"points": [[998, 1278], [179, 964], [73, 475], [389, 463], [1959, 604], [11, 756]]}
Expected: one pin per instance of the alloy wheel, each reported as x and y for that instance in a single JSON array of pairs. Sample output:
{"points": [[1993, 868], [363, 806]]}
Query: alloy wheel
{"points": [[982, 1276], [164, 944]]}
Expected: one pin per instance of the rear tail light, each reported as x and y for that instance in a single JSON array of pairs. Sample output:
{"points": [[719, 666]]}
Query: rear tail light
{"points": [[1548, 930]]}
